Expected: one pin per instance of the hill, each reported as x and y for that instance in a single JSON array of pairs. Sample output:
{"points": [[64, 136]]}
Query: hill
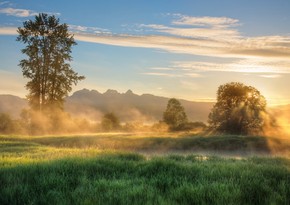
{"points": [[129, 106], [12, 105]]}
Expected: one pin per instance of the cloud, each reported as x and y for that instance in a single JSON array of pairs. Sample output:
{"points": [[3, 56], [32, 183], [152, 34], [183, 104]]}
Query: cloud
{"points": [[205, 21], [172, 72], [270, 76], [8, 31], [265, 68], [162, 74], [265, 47], [193, 75], [199, 36], [197, 27], [269, 68], [4, 2], [167, 43], [162, 68], [88, 29], [21, 12], [193, 32], [18, 12]]}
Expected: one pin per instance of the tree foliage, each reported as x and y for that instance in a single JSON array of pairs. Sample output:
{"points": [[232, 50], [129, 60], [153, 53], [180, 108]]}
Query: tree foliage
{"points": [[239, 109], [110, 122], [6, 124], [48, 50], [175, 116]]}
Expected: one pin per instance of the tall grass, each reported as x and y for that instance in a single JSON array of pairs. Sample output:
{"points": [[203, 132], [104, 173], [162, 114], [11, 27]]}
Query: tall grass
{"points": [[133, 179], [41, 170], [232, 144]]}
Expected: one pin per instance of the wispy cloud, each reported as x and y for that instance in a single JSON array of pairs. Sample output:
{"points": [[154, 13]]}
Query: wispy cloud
{"points": [[203, 36], [8, 31], [172, 72], [162, 68], [270, 68], [195, 69], [200, 36], [266, 47], [197, 27], [4, 2], [17, 12], [193, 75], [270, 76], [161, 74], [205, 21], [193, 32], [88, 29]]}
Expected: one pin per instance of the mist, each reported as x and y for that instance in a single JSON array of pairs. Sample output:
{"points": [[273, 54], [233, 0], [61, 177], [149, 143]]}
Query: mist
{"points": [[137, 131], [279, 124]]}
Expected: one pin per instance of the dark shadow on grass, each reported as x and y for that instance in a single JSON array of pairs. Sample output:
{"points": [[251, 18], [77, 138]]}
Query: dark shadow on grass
{"points": [[226, 144], [17, 147]]}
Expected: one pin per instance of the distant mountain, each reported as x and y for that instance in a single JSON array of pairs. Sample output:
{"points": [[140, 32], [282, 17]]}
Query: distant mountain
{"points": [[129, 106], [12, 105]]}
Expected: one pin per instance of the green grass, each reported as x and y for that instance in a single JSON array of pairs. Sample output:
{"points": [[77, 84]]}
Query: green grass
{"points": [[161, 143], [39, 170], [132, 179]]}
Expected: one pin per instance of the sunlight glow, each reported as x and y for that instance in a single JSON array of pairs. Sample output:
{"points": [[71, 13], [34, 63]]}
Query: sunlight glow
{"points": [[254, 68], [249, 95]]}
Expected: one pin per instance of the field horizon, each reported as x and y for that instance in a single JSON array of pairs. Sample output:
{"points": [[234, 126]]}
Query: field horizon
{"points": [[159, 142]]}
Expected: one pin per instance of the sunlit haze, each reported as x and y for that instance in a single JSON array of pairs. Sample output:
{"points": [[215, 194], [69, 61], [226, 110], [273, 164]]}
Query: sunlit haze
{"points": [[183, 49]]}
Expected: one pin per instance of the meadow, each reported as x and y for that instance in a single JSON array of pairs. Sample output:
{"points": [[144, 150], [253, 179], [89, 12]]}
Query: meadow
{"points": [[138, 168]]}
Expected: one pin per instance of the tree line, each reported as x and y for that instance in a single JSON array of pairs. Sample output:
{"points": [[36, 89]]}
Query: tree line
{"points": [[35, 123], [240, 109]]}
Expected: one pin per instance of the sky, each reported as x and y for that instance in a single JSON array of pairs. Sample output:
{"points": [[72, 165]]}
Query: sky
{"points": [[184, 49]]}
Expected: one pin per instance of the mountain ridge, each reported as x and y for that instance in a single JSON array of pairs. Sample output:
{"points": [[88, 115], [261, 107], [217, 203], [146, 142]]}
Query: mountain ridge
{"points": [[12, 104], [128, 106]]}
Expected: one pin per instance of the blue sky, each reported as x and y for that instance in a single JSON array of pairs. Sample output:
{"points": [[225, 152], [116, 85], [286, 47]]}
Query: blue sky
{"points": [[183, 49]]}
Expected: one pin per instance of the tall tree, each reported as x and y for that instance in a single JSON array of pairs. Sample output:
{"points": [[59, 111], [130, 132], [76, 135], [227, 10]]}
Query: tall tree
{"points": [[110, 122], [6, 124], [239, 109], [48, 48], [174, 115]]}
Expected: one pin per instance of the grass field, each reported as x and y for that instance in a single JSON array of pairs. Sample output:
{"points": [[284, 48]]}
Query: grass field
{"points": [[144, 169]]}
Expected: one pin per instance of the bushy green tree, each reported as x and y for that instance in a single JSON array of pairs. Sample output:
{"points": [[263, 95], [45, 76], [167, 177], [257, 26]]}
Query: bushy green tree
{"points": [[239, 109], [6, 124], [110, 122], [174, 115], [48, 50]]}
